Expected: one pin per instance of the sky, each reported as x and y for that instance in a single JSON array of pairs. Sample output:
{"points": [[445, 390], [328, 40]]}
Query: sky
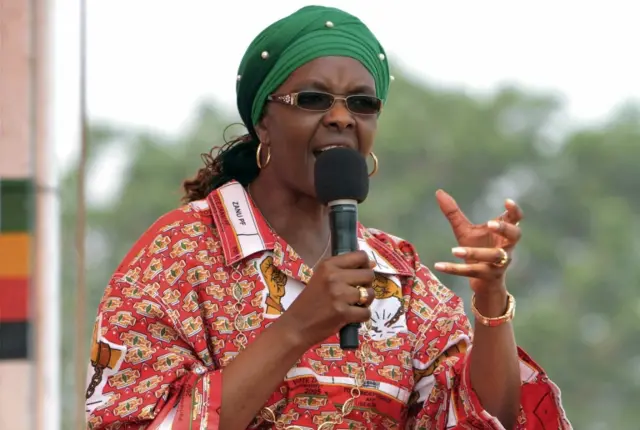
{"points": [[150, 62]]}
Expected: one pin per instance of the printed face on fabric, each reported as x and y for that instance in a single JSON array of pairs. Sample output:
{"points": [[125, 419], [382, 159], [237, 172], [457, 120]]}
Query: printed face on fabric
{"points": [[294, 134]]}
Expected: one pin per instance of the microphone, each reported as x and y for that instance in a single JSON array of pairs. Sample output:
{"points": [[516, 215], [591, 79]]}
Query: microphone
{"points": [[342, 182]]}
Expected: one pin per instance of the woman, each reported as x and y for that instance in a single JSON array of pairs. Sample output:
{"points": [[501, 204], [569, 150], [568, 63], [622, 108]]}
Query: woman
{"points": [[225, 313]]}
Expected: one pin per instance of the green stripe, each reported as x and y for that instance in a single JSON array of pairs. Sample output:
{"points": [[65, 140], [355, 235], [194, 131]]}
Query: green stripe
{"points": [[16, 205]]}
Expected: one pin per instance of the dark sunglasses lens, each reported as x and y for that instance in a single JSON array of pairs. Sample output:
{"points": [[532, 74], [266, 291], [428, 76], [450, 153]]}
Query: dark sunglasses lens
{"points": [[314, 101], [364, 104]]}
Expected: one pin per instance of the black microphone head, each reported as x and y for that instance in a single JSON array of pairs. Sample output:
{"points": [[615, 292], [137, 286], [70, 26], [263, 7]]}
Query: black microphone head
{"points": [[341, 174]]}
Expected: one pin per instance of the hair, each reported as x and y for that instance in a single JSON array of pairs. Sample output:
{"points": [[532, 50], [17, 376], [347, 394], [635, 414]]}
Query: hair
{"points": [[235, 160]]}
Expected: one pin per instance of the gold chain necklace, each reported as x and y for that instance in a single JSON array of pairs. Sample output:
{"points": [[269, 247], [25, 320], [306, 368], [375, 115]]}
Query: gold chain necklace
{"points": [[326, 248]]}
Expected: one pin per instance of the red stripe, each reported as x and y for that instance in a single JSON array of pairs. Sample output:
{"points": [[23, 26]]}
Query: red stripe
{"points": [[14, 294]]}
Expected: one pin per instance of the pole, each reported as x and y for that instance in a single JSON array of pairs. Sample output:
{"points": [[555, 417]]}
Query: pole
{"points": [[81, 296], [45, 290]]}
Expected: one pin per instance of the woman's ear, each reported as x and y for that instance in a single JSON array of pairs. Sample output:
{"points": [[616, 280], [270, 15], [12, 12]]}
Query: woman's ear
{"points": [[262, 130]]}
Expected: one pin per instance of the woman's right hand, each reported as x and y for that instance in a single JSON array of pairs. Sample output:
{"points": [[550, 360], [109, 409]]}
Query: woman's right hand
{"points": [[328, 302]]}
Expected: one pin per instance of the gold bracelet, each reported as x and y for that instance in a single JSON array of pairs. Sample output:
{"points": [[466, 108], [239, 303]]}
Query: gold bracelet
{"points": [[494, 322]]}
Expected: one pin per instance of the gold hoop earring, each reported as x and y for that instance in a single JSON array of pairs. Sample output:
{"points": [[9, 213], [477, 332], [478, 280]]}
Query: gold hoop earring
{"points": [[258, 151], [375, 164]]}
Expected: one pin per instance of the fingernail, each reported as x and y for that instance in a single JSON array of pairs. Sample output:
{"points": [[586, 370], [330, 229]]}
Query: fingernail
{"points": [[440, 266], [511, 202], [459, 252], [493, 225]]}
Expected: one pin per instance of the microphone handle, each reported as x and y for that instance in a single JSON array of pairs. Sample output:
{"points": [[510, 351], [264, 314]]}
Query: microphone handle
{"points": [[343, 222]]}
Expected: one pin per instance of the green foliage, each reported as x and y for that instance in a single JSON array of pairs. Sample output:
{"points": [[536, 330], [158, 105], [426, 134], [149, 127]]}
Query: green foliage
{"points": [[576, 274]]}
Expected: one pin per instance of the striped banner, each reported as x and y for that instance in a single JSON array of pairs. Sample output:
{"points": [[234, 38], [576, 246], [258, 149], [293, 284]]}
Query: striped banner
{"points": [[16, 214]]}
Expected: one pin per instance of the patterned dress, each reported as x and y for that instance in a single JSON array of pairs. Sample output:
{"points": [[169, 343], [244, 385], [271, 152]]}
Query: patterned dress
{"points": [[206, 279]]}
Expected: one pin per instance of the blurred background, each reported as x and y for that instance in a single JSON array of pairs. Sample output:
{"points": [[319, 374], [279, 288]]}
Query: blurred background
{"points": [[536, 101]]}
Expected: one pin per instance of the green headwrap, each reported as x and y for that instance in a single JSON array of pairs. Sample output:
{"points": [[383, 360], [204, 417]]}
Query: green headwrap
{"points": [[284, 46]]}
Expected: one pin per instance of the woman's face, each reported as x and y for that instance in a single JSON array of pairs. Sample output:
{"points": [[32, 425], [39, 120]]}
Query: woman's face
{"points": [[295, 135]]}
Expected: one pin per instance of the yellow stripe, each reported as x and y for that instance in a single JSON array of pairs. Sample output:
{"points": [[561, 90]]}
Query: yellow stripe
{"points": [[14, 255]]}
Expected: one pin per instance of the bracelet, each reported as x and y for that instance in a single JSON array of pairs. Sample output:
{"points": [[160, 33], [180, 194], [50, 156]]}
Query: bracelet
{"points": [[494, 322]]}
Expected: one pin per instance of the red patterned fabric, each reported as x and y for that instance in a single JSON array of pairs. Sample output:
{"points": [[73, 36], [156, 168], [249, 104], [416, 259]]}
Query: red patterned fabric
{"points": [[165, 332]]}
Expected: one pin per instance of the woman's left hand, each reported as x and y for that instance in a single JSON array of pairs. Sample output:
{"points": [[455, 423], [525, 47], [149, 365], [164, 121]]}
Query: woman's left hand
{"points": [[485, 248]]}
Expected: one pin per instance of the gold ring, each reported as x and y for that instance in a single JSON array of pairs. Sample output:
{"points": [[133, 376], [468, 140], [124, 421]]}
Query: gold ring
{"points": [[503, 260], [364, 296]]}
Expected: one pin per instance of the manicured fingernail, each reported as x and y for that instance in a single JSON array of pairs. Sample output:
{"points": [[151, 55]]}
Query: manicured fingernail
{"points": [[495, 225], [511, 202], [459, 252], [440, 266]]}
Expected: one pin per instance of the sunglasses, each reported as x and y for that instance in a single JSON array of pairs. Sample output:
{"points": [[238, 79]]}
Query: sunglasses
{"points": [[360, 104]]}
